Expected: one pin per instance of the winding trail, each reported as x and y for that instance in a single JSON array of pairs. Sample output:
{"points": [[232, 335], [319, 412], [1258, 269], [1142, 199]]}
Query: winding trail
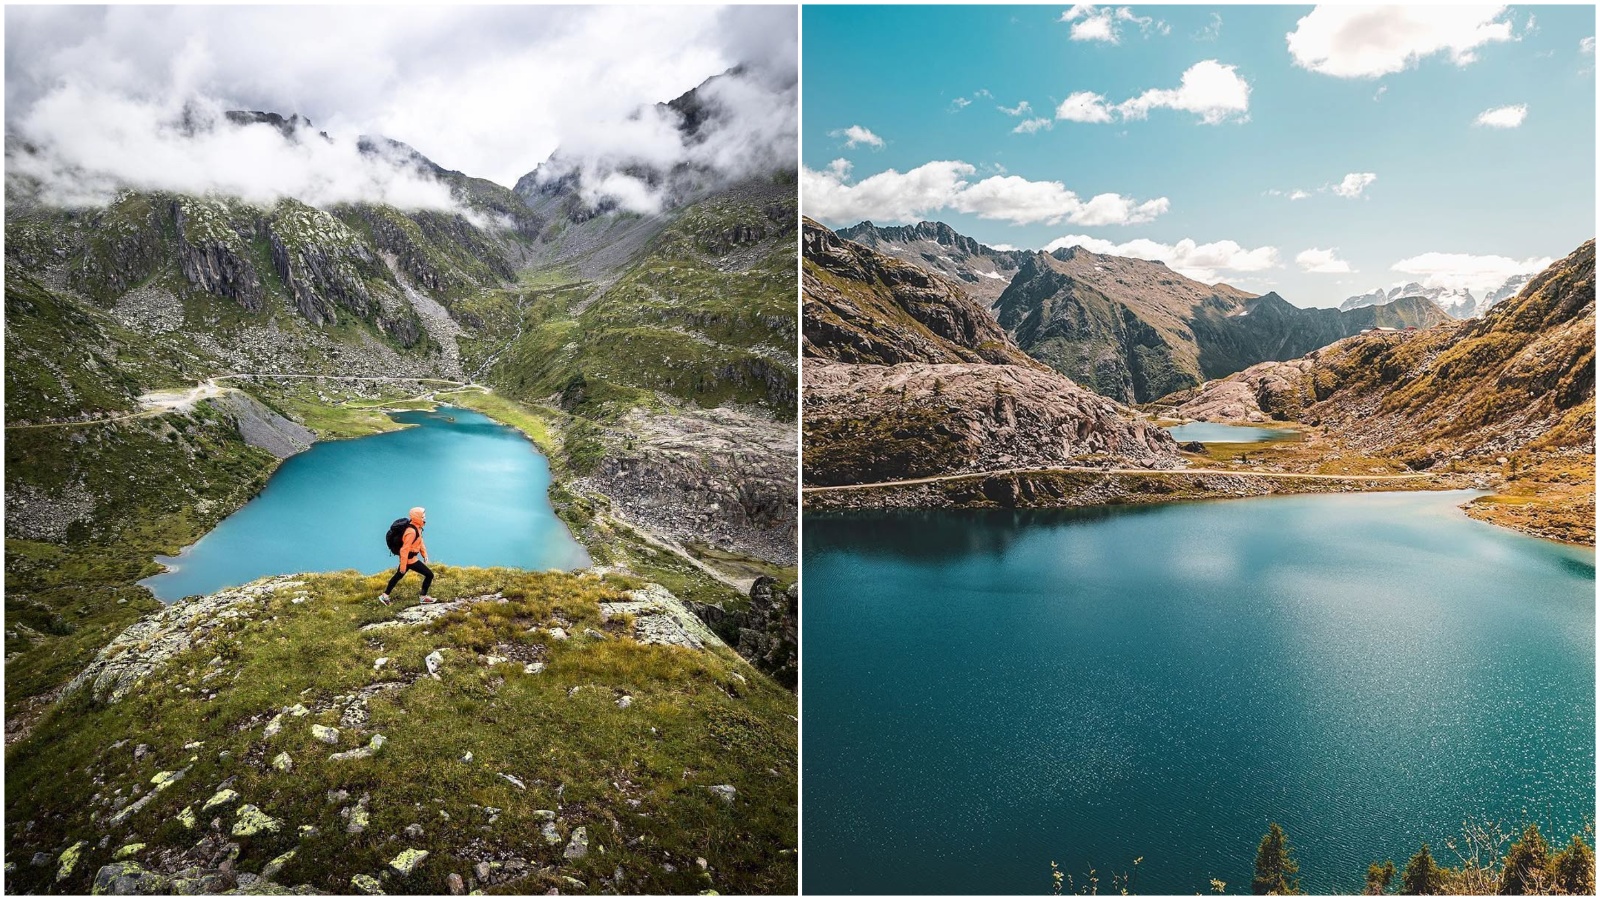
{"points": [[157, 403], [934, 478]]}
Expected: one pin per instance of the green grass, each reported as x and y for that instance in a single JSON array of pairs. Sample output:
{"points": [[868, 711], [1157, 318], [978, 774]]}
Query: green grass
{"points": [[693, 723]]}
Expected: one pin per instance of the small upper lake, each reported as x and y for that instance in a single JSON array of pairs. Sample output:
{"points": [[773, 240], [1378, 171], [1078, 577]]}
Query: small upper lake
{"points": [[991, 691], [1215, 433], [328, 508]]}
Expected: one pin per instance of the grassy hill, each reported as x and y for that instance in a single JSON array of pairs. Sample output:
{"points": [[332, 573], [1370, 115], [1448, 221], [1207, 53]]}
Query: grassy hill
{"points": [[557, 748]]}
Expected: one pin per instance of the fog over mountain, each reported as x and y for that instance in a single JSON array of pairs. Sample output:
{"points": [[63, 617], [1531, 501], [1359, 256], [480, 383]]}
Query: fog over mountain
{"points": [[105, 98]]}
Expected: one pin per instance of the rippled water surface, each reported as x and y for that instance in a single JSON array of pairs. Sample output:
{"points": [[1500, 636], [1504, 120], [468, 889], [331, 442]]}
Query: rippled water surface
{"points": [[482, 483], [1213, 433], [986, 693]]}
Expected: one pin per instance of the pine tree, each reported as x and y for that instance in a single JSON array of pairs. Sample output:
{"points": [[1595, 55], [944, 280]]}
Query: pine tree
{"points": [[1275, 865], [1524, 872], [1380, 877], [1574, 869], [1422, 875]]}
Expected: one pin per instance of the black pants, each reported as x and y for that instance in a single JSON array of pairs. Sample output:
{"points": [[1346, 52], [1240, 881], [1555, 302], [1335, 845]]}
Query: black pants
{"points": [[418, 566]]}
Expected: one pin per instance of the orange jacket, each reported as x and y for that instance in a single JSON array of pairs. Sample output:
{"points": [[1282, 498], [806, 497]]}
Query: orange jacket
{"points": [[411, 545]]}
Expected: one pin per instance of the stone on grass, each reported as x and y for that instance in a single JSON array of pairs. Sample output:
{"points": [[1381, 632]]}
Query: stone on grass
{"points": [[533, 668], [514, 780], [551, 836], [124, 878], [366, 884], [186, 818], [69, 860], [578, 847], [456, 885], [299, 710], [725, 791], [273, 868], [407, 861], [224, 796], [273, 727], [325, 734], [624, 702], [433, 661], [253, 821], [559, 634], [127, 850], [379, 663]]}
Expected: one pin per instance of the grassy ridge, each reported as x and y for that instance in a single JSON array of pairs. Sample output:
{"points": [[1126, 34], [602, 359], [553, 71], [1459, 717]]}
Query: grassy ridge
{"points": [[695, 719]]}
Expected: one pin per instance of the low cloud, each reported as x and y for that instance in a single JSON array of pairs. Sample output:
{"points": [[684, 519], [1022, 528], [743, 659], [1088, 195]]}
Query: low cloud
{"points": [[1029, 126], [87, 146], [1325, 262], [490, 91], [1202, 262], [1479, 274], [892, 196], [1021, 109], [1502, 116], [1105, 23], [1371, 41], [1214, 92]]}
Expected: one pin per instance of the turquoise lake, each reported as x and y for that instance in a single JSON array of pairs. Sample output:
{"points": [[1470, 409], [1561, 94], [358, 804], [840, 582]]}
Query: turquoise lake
{"points": [[1214, 433], [328, 508], [990, 691]]}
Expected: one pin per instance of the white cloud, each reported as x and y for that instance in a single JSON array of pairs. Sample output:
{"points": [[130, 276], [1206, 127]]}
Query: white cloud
{"points": [[1213, 91], [1202, 262], [1004, 248], [489, 90], [1029, 126], [1378, 94], [1298, 194], [893, 196], [1084, 106], [840, 168], [1021, 109], [1479, 274], [1322, 261], [1353, 184], [1586, 45], [855, 136], [1502, 116], [959, 104], [1369, 41], [1104, 23], [1212, 30]]}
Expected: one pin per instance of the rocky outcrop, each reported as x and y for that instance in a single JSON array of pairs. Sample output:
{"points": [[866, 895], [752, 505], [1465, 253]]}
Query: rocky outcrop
{"points": [[863, 307], [1269, 390], [147, 645], [982, 271], [213, 258], [715, 476], [879, 423]]}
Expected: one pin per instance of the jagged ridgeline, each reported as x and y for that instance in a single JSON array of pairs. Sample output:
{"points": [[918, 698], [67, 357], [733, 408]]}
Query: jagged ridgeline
{"points": [[1129, 329]]}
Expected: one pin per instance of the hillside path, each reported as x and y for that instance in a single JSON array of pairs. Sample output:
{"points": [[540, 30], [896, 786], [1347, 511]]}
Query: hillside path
{"points": [[158, 403]]}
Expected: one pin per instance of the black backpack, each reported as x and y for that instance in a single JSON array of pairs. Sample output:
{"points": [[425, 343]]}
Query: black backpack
{"points": [[397, 534]]}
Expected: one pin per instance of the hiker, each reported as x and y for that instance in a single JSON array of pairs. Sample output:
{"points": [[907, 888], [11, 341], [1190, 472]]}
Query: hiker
{"points": [[412, 551]]}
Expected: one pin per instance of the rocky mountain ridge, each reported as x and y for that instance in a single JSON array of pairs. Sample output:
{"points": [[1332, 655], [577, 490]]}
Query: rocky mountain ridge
{"points": [[982, 271], [907, 377]]}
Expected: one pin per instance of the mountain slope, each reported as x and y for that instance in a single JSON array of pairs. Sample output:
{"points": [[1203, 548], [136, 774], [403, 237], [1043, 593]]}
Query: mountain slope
{"points": [[865, 307], [1135, 330], [906, 377], [1511, 394]]}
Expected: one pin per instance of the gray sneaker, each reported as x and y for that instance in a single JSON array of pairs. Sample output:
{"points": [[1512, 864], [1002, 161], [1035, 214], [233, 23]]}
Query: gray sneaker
{"points": [[384, 599]]}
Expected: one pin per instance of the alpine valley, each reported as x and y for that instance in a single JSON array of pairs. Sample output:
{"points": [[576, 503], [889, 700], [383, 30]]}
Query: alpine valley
{"points": [[941, 372], [625, 728]]}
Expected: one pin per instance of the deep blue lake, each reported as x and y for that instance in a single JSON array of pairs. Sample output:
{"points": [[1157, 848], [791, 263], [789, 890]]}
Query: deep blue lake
{"points": [[988, 692], [326, 509], [1215, 433]]}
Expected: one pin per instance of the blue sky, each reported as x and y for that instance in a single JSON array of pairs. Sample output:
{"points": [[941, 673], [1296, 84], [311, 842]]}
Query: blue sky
{"points": [[1318, 152]]}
